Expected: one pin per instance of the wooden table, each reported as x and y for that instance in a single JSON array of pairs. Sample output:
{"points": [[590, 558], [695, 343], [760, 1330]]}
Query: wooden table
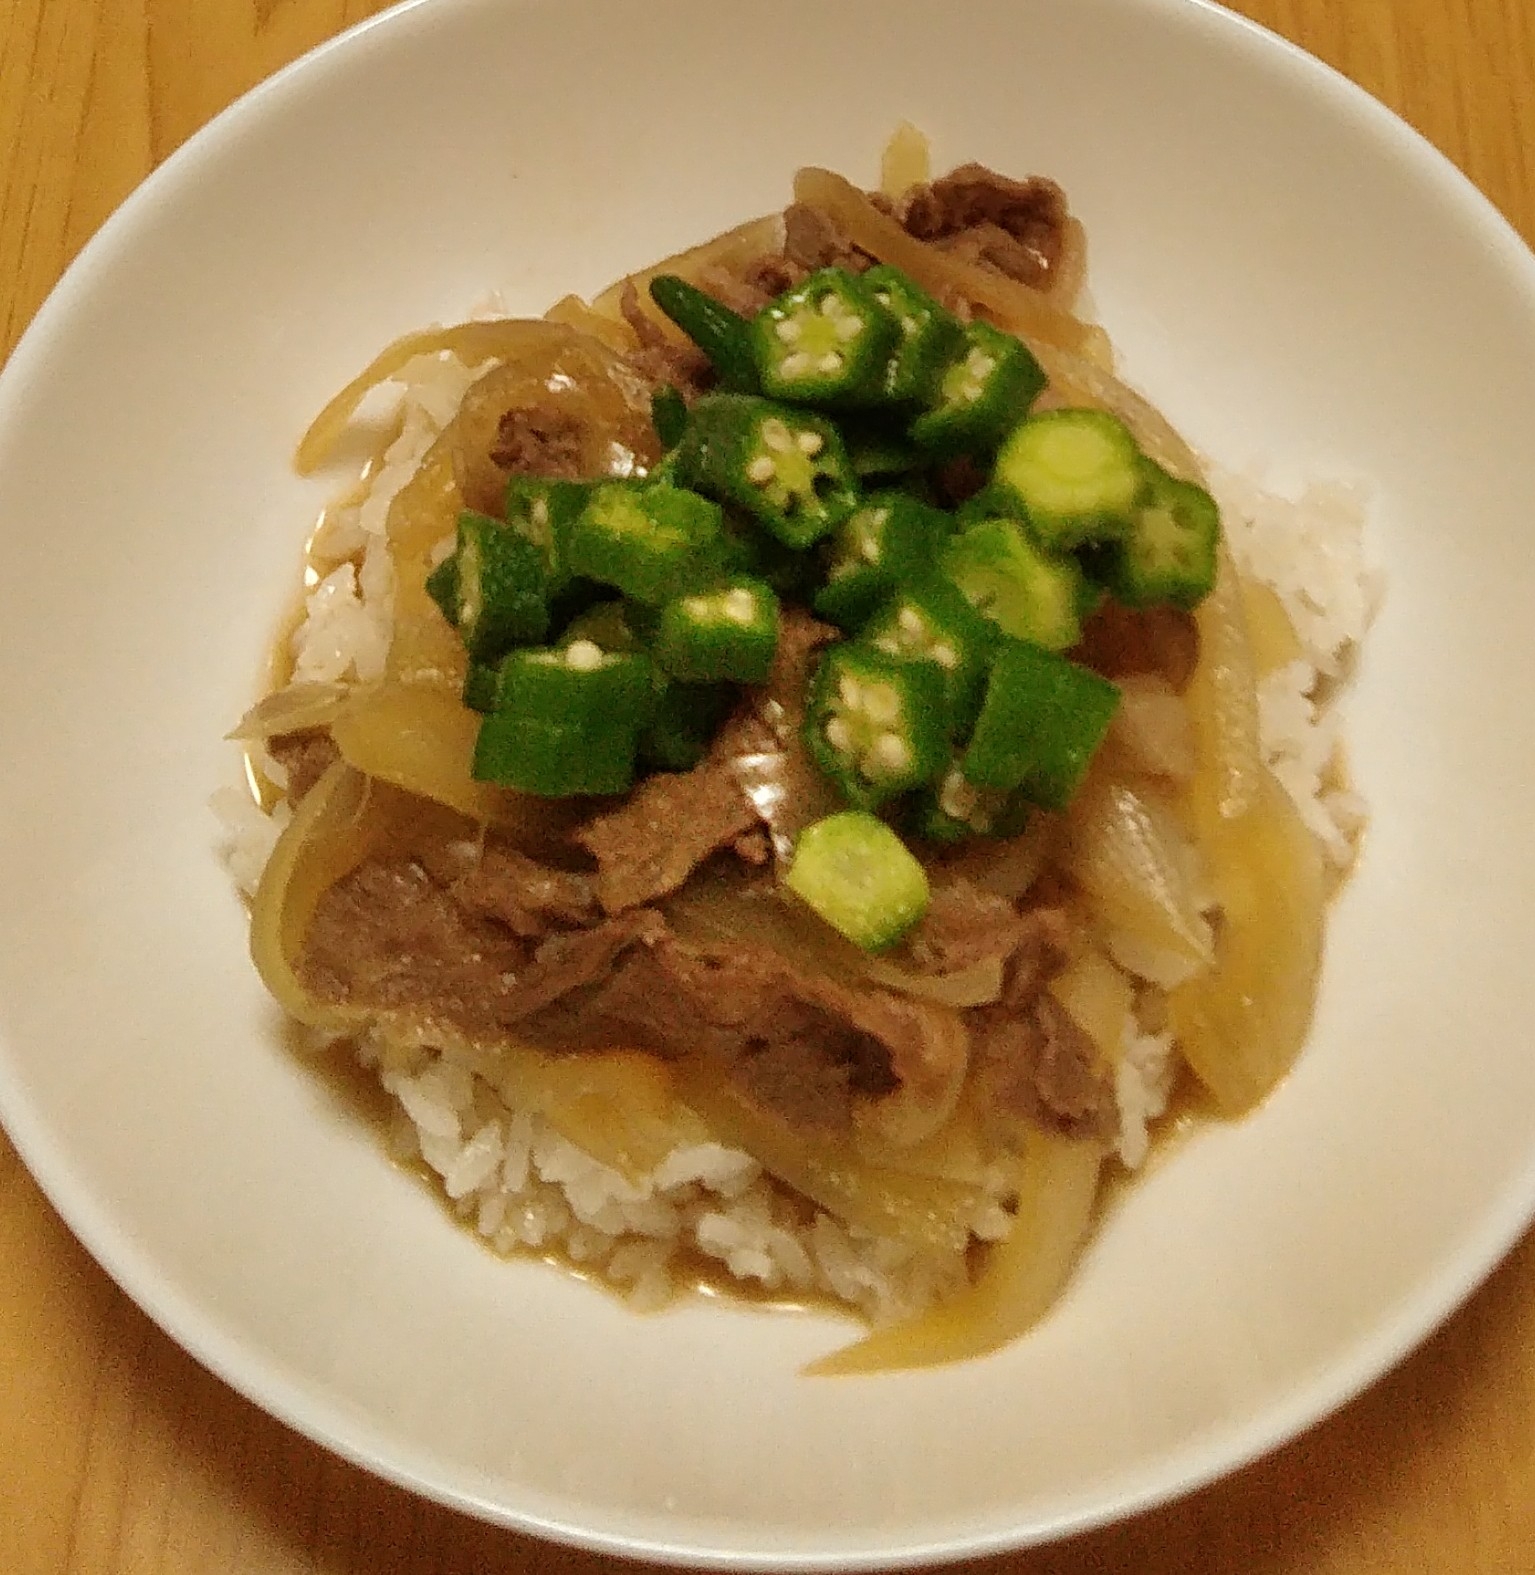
{"points": [[119, 1454]]}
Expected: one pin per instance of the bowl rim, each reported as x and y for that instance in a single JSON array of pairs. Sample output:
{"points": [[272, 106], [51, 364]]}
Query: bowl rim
{"points": [[251, 1374]]}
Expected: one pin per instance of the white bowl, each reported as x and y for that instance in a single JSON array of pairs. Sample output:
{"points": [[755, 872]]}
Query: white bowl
{"points": [[1287, 270]]}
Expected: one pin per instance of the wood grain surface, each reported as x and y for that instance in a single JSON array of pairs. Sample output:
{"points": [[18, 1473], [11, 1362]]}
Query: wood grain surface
{"points": [[120, 1456]]}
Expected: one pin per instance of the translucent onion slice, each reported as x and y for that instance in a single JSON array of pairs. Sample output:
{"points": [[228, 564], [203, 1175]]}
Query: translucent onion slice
{"points": [[1126, 849], [422, 740], [1029, 313], [1222, 698], [1098, 998], [617, 1106], [905, 162], [292, 709], [1152, 732], [976, 985], [470, 342], [1020, 1281], [336, 826], [730, 250], [1241, 1024], [928, 1211]]}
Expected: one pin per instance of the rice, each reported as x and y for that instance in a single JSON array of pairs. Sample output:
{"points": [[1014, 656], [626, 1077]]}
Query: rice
{"points": [[515, 1181]]}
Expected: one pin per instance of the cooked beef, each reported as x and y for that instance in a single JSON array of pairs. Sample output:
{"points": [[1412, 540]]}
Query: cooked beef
{"points": [[748, 289], [1016, 227], [387, 935], [662, 357], [1163, 640], [305, 756], [965, 925], [527, 897], [539, 442], [1030, 1060], [663, 831], [578, 959], [813, 240]]}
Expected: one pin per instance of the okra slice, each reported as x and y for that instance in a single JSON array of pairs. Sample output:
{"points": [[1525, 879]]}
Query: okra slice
{"points": [[876, 726], [567, 721], [786, 468], [825, 342], [687, 716], [858, 875], [878, 453], [442, 587], [890, 539], [612, 625], [501, 588], [1029, 594], [482, 686], [1040, 725], [1169, 551], [981, 395], [729, 631], [929, 335], [930, 621], [1076, 474], [652, 542], [722, 334], [954, 809], [543, 509]]}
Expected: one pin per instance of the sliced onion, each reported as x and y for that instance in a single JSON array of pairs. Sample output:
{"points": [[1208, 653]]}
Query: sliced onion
{"points": [[1241, 1025], [470, 342], [1022, 1277], [1152, 732], [333, 830], [1098, 998], [1222, 698], [292, 709], [1126, 849], [976, 985], [905, 162], [928, 1211], [730, 250], [1010, 866]]}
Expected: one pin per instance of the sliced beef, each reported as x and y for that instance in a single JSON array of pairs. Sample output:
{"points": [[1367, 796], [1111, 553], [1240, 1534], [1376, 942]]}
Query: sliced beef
{"points": [[1031, 1061], [662, 357], [813, 240], [305, 756], [540, 442], [529, 898], [963, 926], [1017, 227], [663, 831], [389, 936]]}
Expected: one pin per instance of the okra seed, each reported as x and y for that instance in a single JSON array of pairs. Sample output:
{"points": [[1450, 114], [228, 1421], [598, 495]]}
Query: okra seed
{"points": [[890, 753], [777, 437], [868, 549], [957, 797], [849, 327], [850, 691], [829, 363], [540, 513], [739, 605], [882, 705], [761, 470], [810, 444], [788, 330], [980, 365], [839, 735], [888, 644], [585, 656], [945, 657], [830, 306], [795, 365], [910, 621]]}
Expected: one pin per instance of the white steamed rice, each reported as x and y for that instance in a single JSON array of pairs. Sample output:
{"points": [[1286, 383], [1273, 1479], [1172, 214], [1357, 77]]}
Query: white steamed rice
{"points": [[510, 1177]]}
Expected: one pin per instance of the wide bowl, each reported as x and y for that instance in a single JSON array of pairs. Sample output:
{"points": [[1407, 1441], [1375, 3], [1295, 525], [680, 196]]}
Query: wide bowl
{"points": [[1289, 271]]}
